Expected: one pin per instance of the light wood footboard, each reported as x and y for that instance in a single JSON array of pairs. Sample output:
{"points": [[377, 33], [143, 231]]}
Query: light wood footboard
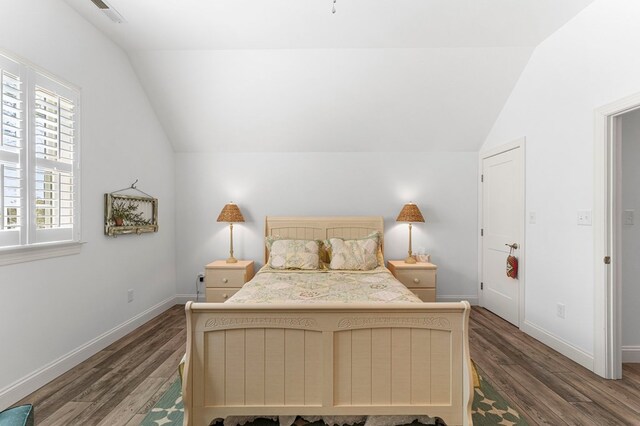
{"points": [[336, 359]]}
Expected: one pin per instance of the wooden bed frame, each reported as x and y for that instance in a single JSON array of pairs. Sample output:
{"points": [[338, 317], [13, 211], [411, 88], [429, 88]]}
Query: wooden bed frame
{"points": [[327, 359]]}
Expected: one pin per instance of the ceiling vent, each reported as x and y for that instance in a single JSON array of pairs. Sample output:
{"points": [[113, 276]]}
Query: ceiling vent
{"points": [[109, 11]]}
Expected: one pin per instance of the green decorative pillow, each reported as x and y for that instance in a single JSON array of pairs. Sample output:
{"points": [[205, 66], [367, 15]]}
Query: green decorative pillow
{"points": [[359, 255], [293, 254], [21, 415]]}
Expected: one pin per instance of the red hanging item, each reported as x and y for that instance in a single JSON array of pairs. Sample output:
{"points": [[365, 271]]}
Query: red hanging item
{"points": [[512, 264]]}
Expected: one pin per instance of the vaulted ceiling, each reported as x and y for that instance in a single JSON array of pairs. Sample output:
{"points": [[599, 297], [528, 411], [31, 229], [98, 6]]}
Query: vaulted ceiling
{"points": [[288, 75]]}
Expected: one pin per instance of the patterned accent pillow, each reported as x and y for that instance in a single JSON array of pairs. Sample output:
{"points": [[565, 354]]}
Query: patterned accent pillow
{"points": [[379, 255], [293, 254], [359, 255]]}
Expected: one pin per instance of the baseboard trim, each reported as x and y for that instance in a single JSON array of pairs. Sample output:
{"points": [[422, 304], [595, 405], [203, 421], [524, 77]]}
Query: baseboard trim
{"points": [[184, 298], [473, 300], [35, 380], [631, 354], [565, 348]]}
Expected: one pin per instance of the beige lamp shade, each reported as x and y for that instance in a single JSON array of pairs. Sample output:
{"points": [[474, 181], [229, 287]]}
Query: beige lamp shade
{"points": [[410, 213], [231, 213]]}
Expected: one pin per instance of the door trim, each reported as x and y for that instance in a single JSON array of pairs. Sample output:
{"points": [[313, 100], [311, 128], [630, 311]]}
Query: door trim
{"points": [[607, 351], [484, 154]]}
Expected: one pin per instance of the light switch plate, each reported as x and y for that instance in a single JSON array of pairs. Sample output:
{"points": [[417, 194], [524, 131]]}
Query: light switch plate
{"points": [[532, 217], [584, 217], [628, 217], [560, 310]]}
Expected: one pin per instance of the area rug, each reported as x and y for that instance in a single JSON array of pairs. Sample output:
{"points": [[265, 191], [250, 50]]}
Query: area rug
{"points": [[489, 408]]}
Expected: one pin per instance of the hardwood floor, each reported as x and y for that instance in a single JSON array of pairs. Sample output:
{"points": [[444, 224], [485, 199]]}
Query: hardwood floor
{"points": [[120, 384], [546, 387]]}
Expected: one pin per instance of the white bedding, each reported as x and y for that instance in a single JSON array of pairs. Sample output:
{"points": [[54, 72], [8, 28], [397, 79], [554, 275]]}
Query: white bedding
{"points": [[288, 286]]}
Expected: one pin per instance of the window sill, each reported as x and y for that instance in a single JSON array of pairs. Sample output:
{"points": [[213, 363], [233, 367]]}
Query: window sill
{"points": [[11, 255]]}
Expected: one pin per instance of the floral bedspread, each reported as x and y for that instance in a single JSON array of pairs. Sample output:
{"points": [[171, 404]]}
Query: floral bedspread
{"points": [[276, 286]]}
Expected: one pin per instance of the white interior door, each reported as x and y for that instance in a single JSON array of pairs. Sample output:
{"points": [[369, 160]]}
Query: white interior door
{"points": [[502, 225]]}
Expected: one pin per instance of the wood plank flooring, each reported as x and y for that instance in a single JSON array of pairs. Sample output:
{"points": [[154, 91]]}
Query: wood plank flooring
{"points": [[546, 387], [120, 384]]}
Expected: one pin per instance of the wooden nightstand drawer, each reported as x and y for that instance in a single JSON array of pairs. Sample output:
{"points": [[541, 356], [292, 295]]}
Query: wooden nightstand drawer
{"points": [[225, 278], [217, 295], [220, 274], [425, 294], [420, 278], [416, 277]]}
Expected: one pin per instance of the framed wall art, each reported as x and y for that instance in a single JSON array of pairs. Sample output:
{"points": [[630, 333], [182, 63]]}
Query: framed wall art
{"points": [[126, 213]]}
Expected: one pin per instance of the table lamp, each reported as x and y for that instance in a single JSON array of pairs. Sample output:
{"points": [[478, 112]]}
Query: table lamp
{"points": [[410, 213], [231, 213]]}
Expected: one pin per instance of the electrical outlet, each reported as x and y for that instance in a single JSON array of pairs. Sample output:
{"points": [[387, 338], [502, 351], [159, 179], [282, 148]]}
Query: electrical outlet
{"points": [[584, 217], [201, 278], [130, 295], [560, 311], [629, 217]]}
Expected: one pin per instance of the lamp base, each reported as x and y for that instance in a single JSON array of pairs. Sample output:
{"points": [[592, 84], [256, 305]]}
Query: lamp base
{"points": [[234, 260], [410, 259]]}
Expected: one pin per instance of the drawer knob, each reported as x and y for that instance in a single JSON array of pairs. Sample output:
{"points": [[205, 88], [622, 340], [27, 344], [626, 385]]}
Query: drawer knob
{"points": [[225, 280], [416, 280], [225, 296]]}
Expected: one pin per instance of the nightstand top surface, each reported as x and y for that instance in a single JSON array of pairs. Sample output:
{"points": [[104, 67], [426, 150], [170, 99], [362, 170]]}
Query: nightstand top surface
{"points": [[222, 264], [400, 264]]}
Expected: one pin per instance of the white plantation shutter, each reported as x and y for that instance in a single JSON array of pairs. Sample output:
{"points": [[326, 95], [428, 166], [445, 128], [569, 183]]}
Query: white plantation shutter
{"points": [[12, 129], [54, 132], [11, 197], [39, 167]]}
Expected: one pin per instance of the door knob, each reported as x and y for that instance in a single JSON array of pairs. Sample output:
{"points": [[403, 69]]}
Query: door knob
{"points": [[513, 246]]}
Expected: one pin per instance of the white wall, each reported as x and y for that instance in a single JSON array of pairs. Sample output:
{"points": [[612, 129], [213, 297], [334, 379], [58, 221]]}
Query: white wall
{"points": [[444, 185], [581, 67], [52, 307], [309, 100], [631, 237]]}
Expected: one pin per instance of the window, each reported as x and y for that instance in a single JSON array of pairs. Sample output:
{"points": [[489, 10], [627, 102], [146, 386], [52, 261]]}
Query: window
{"points": [[39, 158]]}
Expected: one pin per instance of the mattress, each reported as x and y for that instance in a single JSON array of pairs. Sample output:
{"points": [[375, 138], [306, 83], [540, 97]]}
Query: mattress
{"points": [[324, 286]]}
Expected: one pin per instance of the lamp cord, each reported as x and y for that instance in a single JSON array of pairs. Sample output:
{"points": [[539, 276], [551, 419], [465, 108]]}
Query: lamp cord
{"points": [[197, 289]]}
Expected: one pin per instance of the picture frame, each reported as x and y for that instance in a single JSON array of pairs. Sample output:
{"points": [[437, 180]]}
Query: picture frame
{"points": [[129, 214]]}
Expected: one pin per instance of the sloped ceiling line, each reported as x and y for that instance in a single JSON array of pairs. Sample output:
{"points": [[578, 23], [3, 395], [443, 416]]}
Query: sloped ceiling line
{"points": [[285, 75]]}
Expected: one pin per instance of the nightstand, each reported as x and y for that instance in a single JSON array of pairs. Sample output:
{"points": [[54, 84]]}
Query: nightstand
{"points": [[420, 278], [223, 280]]}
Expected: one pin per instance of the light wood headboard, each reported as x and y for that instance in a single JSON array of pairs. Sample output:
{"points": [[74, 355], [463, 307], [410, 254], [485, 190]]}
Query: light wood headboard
{"points": [[321, 228]]}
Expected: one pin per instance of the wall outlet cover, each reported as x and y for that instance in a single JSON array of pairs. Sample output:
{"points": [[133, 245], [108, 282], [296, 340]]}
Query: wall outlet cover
{"points": [[584, 217]]}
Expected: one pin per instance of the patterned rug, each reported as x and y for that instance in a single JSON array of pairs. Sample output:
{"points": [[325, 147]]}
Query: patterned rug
{"points": [[489, 408]]}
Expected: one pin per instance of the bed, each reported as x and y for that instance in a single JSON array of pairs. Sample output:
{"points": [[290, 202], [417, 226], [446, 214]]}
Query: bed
{"points": [[392, 356]]}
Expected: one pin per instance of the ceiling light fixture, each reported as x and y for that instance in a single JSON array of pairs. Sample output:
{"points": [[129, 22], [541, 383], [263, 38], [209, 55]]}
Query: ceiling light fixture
{"points": [[109, 11]]}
